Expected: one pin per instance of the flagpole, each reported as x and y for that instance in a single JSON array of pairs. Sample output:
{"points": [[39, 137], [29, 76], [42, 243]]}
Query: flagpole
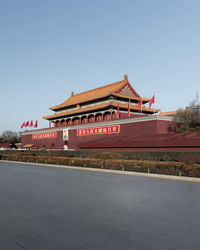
{"points": [[129, 108], [118, 111]]}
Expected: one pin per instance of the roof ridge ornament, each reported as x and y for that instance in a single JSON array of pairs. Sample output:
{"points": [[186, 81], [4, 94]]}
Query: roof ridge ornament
{"points": [[126, 77]]}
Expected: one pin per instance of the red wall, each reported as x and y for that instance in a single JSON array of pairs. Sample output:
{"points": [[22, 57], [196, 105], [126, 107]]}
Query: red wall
{"points": [[50, 143], [162, 127], [128, 129], [4, 145], [144, 135]]}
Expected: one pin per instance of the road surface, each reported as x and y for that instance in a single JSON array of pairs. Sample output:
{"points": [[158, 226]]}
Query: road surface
{"points": [[54, 208]]}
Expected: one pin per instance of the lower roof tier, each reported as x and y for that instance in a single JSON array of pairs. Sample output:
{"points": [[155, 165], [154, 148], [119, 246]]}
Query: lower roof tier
{"points": [[102, 107]]}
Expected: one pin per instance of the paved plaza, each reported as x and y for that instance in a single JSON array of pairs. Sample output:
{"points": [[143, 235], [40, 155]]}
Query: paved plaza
{"points": [[54, 208]]}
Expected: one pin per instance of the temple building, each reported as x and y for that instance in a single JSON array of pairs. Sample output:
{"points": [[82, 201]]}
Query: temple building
{"points": [[112, 117], [114, 101]]}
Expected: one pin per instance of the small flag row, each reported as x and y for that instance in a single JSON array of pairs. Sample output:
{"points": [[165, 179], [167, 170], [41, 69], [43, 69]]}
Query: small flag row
{"points": [[150, 103], [139, 105], [29, 124]]}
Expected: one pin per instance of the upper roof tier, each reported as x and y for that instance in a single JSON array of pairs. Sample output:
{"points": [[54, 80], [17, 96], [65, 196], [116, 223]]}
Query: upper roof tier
{"points": [[121, 89]]}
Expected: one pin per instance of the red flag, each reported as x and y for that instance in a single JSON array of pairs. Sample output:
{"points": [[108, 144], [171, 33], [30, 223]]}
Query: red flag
{"points": [[140, 103], [31, 124], [129, 108], [27, 124], [35, 126], [152, 101], [118, 111], [23, 125]]}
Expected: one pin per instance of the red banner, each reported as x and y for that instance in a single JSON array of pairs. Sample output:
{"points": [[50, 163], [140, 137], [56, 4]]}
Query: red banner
{"points": [[99, 130], [44, 135]]}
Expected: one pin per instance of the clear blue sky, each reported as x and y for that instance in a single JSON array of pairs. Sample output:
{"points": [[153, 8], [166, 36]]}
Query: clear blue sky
{"points": [[49, 48]]}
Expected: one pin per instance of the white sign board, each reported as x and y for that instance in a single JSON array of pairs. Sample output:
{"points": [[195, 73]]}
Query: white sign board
{"points": [[65, 134]]}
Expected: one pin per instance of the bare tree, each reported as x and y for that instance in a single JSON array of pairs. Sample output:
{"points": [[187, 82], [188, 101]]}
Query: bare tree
{"points": [[10, 136], [187, 119]]}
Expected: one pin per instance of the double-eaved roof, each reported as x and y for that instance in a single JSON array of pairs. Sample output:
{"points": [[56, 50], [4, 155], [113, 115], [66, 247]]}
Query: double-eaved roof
{"points": [[115, 89], [121, 90]]}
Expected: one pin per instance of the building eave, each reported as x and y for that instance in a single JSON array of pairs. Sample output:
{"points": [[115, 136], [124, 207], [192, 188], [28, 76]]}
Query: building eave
{"points": [[100, 107], [137, 99]]}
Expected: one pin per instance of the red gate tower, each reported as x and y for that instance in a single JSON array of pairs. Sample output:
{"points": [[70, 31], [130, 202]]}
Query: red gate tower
{"points": [[114, 101], [112, 117]]}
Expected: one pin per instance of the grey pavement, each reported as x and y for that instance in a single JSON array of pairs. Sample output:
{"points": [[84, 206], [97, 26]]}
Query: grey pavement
{"points": [[55, 208]]}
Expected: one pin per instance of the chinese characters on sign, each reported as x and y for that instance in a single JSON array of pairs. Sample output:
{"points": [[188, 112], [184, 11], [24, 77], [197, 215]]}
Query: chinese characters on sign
{"points": [[44, 135], [99, 130]]}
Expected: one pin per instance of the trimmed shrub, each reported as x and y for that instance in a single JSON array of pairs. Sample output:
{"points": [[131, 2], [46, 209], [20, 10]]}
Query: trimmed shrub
{"points": [[182, 168], [106, 155], [190, 159], [126, 155]]}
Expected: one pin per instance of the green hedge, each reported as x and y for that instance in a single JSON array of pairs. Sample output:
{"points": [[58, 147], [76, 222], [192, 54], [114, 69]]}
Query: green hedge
{"points": [[156, 167], [128, 155], [178, 156]]}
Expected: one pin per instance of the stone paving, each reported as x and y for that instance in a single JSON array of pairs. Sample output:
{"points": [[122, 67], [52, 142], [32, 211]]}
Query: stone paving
{"points": [[55, 208]]}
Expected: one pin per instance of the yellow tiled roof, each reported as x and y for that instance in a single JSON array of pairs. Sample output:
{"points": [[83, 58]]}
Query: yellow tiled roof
{"points": [[99, 107], [77, 111], [169, 113], [28, 146], [101, 92], [91, 95]]}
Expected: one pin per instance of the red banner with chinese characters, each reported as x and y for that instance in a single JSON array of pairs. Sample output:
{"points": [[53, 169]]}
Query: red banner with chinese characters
{"points": [[99, 130], [44, 135]]}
